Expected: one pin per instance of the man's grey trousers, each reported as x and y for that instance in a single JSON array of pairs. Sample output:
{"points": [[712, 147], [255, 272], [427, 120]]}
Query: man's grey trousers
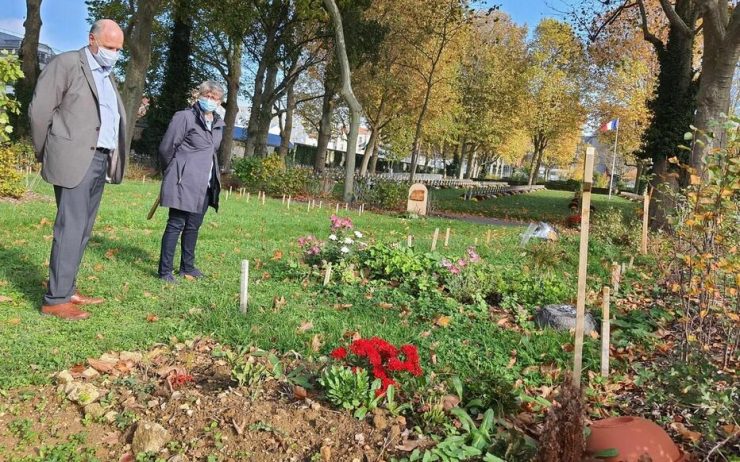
{"points": [[77, 209]]}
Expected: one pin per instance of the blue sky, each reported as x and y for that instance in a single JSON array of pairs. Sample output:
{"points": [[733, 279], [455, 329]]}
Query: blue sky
{"points": [[65, 25]]}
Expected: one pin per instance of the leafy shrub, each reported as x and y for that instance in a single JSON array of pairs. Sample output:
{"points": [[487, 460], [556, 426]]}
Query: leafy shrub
{"points": [[516, 285], [610, 226], [402, 264], [270, 174], [467, 279], [387, 194], [11, 179]]}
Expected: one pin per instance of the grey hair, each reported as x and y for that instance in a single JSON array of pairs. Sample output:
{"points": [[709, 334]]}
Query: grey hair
{"points": [[211, 85], [97, 27]]}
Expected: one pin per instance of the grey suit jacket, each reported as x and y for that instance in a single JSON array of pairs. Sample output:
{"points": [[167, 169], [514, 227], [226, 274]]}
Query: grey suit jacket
{"points": [[65, 121]]}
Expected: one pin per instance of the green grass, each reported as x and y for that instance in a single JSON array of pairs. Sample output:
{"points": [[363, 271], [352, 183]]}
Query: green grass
{"points": [[544, 205], [120, 265]]}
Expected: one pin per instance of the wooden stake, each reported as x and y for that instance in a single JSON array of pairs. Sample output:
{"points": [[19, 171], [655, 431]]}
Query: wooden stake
{"points": [[321, 203], [327, 275], [263, 198], [645, 218], [447, 237], [289, 198], [409, 240], [588, 169], [475, 242], [435, 236], [244, 292], [616, 277], [336, 211], [632, 262], [308, 206], [249, 195], [488, 237], [283, 199], [143, 179], [605, 333], [346, 206]]}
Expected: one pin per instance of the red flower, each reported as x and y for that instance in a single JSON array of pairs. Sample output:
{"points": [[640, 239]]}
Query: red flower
{"points": [[339, 353]]}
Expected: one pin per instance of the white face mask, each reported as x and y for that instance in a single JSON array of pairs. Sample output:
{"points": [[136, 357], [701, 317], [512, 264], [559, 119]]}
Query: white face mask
{"points": [[105, 57]]}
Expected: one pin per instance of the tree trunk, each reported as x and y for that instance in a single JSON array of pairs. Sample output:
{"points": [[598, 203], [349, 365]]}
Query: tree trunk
{"points": [[471, 167], [265, 113], [139, 47], [664, 186], [327, 108], [376, 152], [287, 130], [417, 132], [349, 98], [257, 97], [460, 156], [369, 151], [232, 104], [719, 62], [536, 162], [28, 55], [638, 174]]}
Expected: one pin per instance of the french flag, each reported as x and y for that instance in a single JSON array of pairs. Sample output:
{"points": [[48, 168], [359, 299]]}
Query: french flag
{"points": [[609, 126]]}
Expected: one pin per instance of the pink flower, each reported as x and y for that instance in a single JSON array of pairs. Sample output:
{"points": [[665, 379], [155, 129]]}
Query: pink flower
{"points": [[473, 255], [454, 269], [462, 263]]}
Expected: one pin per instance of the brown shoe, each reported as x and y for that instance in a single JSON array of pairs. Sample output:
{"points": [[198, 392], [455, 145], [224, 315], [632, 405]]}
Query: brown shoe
{"points": [[79, 299], [67, 311]]}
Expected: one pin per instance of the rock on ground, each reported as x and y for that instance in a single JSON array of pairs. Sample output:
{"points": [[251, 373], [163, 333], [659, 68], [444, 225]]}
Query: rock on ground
{"points": [[562, 317]]}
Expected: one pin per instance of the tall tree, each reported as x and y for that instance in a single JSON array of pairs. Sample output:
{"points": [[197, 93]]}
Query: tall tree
{"points": [[178, 81], [223, 27], [348, 96], [433, 27], [556, 87], [28, 54], [137, 19]]}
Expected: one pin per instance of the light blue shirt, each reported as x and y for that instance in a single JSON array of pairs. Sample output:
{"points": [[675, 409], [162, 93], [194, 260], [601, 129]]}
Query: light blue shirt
{"points": [[107, 103]]}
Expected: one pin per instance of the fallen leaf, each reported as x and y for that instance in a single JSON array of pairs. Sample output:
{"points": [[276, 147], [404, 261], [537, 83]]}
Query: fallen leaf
{"points": [[299, 392], [568, 347], [305, 326], [277, 255], [425, 334], [342, 306], [442, 321], [111, 253], [685, 433], [189, 277], [385, 305], [594, 334], [14, 321], [325, 453], [77, 369], [4, 299], [316, 343], [265, 276], [351, 335], [152, 318], [449, 402], [730, 429], [408, 445], [278, 302], [101, 366]]}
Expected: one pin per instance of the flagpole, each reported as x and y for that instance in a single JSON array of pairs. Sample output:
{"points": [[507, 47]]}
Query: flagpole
{"points": [[614, 161]]}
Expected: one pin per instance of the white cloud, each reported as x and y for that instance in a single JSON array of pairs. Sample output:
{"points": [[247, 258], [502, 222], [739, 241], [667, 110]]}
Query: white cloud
{"points": [[12, 25]]}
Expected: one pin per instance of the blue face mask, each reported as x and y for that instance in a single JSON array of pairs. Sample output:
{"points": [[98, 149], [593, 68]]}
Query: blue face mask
{"points": [[207, 104]]}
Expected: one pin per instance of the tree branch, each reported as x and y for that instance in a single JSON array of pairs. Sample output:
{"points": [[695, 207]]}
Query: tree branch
{"points": [[732, 34], [649, 36], [674, 18], [613, 17]]}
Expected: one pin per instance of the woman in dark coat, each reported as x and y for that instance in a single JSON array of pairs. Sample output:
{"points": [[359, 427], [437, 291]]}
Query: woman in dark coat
{"points": [[190, 180]]}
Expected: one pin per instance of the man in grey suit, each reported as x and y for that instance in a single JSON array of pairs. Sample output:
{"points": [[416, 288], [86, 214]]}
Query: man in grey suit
{"points": [[78, 130]]}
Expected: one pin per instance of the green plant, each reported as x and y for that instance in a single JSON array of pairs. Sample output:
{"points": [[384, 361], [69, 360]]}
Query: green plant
{"points": [[22, 429], [270, 174], [10, 177], [611, 226], [350, 389], [402, 264], [390, 402], [386, 194], [248, 373]]}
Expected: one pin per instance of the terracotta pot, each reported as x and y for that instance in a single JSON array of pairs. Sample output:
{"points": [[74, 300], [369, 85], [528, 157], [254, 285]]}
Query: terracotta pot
{"points": [[632, 437]]}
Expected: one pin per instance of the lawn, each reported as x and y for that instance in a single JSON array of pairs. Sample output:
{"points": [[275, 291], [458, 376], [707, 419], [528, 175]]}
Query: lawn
{"points": [[544, 205], [120, 265]]}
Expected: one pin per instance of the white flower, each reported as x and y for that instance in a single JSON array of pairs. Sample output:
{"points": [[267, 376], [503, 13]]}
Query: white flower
{"points": [[344, 249], [358, 234], [348, 240], [333, 237]]}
